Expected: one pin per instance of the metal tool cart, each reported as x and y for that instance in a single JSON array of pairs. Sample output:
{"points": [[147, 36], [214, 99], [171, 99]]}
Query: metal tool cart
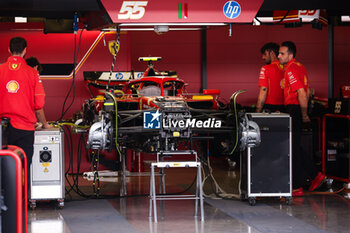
{"points": [[266, 169], [47, 169]]}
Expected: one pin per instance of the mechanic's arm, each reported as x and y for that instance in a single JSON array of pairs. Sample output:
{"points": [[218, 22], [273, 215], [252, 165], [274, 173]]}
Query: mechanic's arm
{"points": [[303, 101], [261, 99], [310, 93], [40, 115]]}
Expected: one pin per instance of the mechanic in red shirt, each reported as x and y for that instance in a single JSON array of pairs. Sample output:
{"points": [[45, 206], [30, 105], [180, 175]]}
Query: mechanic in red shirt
{"points": [[296, 94], [22, 96], [270, 80]]}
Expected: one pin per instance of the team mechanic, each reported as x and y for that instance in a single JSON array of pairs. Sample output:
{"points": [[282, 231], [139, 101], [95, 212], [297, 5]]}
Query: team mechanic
{"points": [[296, 89], [22, 96], [270, 80]]}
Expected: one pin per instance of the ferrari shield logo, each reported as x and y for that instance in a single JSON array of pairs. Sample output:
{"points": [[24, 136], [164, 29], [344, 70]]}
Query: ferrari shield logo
{"points": [[282, 84], [113, 47], [14, 66], [12, 86]]}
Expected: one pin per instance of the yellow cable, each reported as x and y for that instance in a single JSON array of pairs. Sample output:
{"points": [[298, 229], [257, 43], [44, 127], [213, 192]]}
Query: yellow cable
{"points": [[234, 96], [72, 124], [116, 121]]}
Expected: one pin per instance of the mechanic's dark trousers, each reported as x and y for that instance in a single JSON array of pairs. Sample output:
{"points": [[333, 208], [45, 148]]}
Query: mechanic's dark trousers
{"points": [[302, 166], [25, 140]]}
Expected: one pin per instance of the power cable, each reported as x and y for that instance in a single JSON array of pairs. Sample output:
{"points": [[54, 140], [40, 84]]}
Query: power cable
{"points": [[283, 18], [72, 87], [279, 22], [115, 47]]}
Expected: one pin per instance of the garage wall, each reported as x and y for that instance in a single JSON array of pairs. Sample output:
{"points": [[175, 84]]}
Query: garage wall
{"points": [[341, 58], [233, 62], [180, 51]]}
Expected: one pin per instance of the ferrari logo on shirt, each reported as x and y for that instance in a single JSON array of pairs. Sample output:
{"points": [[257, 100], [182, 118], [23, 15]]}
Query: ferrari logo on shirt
{"points": [[282, 84], [14, 66], [12, 86]]}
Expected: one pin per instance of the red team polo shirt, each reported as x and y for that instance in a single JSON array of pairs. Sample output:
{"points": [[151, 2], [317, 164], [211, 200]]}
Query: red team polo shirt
{"points": [[271, 76], [21, 93], [295, 78]]}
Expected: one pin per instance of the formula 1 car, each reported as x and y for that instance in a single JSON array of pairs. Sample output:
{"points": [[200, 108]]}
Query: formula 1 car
{"points": [[153, 112]]}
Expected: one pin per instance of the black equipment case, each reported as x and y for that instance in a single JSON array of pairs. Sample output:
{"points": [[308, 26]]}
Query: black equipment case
{"points": [[266, 169]]}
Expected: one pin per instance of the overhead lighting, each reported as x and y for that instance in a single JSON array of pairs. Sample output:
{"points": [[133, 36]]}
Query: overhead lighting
{"points": [[265, 19], [131, 29], [150, 29], [345, 18], [172, 24], [307, 20], [160, 29], [270, 20], [185, 29], [20, 19]]}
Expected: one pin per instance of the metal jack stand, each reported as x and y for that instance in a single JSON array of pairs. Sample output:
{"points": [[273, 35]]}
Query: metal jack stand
{"points": [[167, 164]]}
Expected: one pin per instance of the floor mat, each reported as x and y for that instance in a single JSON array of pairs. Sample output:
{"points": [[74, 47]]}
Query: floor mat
{"points": [[91, 216], [263, 217]]}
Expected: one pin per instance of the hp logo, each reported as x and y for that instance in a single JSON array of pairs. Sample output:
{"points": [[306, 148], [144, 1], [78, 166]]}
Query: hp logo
{"points": [[232, 9]]}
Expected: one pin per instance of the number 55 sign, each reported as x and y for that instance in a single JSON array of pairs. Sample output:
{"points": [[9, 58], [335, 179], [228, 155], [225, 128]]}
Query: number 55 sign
{"points": [[132, 10]]}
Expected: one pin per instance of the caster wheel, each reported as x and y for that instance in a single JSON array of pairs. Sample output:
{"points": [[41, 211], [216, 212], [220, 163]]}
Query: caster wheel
{"points": [[32, 205], [252, 201], [60, 204], [289, 200]]}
